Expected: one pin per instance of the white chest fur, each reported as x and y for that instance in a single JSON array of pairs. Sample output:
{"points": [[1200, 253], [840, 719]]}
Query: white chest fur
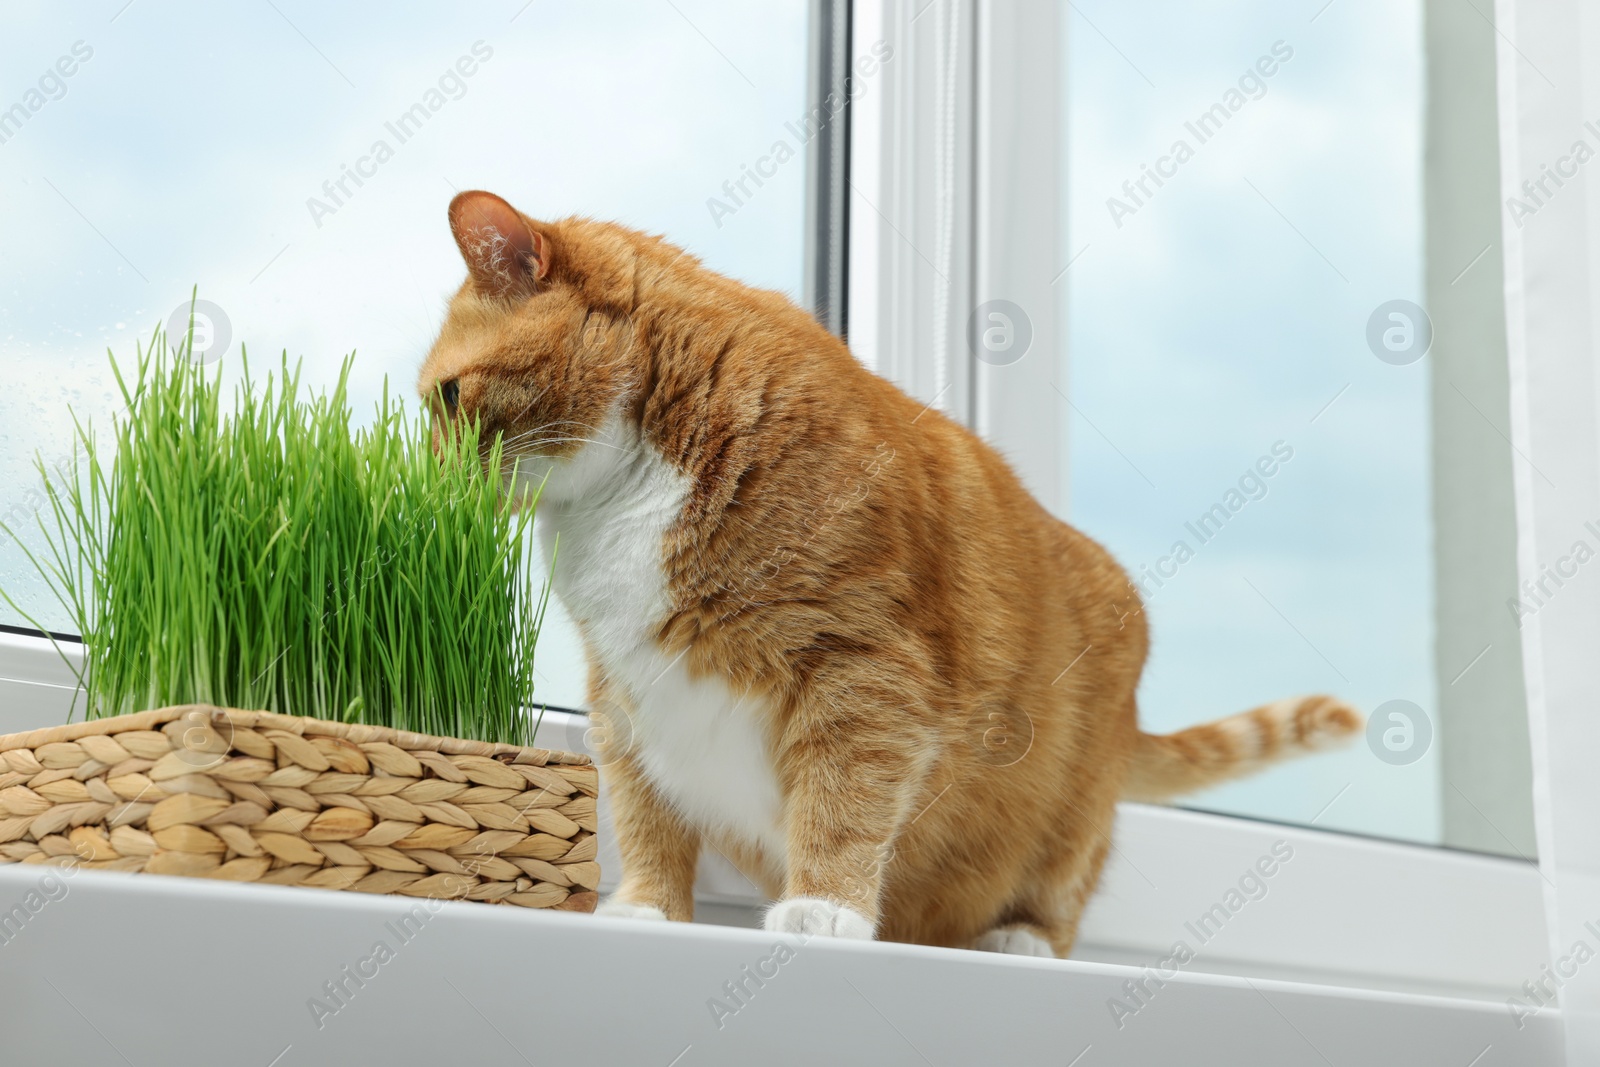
{"points": [[703, 744]]}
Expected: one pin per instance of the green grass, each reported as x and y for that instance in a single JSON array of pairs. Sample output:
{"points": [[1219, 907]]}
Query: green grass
{"points": [[263, 556]]}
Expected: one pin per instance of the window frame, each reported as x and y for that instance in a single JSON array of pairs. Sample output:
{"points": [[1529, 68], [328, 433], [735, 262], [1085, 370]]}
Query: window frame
{"points": [[827, 262], [1376, 914], [1383, 915]]}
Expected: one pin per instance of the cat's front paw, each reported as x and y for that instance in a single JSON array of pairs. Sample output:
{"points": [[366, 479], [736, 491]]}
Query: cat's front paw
{"points": [[613, 908], [812, 915]]}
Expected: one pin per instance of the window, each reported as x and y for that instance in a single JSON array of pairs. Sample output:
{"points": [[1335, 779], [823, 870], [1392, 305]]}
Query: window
{"points": [[1200, 354], [1257, 428], [291, 159]]}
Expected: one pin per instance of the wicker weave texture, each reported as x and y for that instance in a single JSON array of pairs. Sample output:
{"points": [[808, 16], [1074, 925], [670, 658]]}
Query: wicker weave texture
{"points": [[251, 796]]}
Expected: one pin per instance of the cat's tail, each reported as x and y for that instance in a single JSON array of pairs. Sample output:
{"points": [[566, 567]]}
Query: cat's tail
{"points": [[1166, 765]]}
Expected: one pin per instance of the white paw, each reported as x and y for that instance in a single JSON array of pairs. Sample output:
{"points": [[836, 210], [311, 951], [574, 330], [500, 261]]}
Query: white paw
{"points": [[1015, 941], [812, 915], [623, 909]]}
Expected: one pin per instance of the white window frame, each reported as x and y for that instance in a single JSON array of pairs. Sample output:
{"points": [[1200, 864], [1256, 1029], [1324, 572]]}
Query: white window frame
{"points": [[1348, 910], [1368, 913], [36, 685]]}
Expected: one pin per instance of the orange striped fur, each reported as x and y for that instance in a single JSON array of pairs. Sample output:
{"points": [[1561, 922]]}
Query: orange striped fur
{"points": [[933, 675]]}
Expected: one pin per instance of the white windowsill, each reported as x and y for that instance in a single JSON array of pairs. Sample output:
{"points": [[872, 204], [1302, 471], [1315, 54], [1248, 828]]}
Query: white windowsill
{"points": [[179, 971], [1344, 911]]}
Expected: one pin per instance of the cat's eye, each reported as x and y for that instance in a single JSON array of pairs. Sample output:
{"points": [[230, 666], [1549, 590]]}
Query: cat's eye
{"points": [[451, 393]]}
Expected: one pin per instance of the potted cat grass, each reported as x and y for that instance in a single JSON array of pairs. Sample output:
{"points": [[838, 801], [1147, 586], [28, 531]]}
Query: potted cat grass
{"points": [[366, 596]]}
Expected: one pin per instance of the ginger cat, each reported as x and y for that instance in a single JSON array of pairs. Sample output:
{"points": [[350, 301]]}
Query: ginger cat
{"points": [[833, 635]]}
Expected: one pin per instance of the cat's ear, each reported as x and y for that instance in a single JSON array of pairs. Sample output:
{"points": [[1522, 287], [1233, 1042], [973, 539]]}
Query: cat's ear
{"points": [[505, 255]]}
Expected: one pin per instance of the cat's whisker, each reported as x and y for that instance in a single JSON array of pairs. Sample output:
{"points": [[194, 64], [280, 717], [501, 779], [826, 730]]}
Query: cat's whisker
{"points": [[536, 435], [548, 427], [543, 429], [529, 405], [570, 440]]}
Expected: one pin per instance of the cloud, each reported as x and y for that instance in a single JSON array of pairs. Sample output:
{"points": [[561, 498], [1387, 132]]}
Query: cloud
{"points": [[1210, 324], [198, 172]]}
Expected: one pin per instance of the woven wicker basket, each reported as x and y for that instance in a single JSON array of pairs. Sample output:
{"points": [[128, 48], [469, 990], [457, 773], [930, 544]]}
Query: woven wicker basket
{"points": [[250, 796]]}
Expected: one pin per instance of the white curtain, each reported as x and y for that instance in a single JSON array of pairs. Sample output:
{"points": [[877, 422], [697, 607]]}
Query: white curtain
{"points": [[1548, 60]]}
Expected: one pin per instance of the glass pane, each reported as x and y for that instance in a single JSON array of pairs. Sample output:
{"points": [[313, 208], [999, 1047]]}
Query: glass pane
{"points": [[1245, 190], [294, 161]]}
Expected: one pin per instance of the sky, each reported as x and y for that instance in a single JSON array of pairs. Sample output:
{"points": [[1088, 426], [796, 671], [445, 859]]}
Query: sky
{"points": [[186, 150], [1220, 319]]}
